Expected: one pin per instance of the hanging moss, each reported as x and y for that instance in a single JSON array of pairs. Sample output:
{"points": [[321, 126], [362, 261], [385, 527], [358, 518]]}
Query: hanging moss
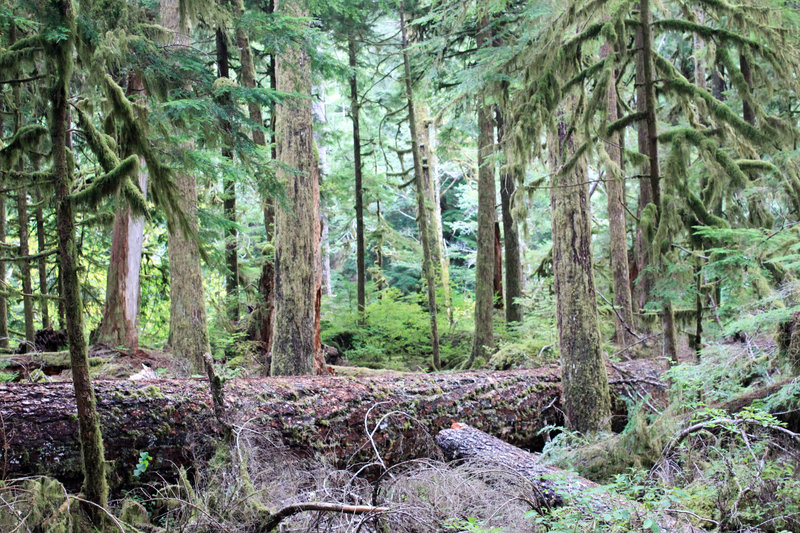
{"points": [[108, 183]]}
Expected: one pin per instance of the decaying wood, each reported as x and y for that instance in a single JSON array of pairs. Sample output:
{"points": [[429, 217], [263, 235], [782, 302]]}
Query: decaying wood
{"points": [[173, 420], [553, 487]]}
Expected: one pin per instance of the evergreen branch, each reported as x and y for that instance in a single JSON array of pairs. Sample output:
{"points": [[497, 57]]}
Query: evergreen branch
{"points": [[135, 198], [708, 33], [102, 145], [623, 123]]}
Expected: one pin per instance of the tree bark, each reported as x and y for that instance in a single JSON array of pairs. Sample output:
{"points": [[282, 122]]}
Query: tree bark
{"points": [[617, 231], [229, 189], [25, 269], [586, 397], [41, 241], [648, 140], [483, 339], [3, 301], [121, 311], [355, 107], [174, 421], [497, 283], [297, 272], [511, 244], [95, 488], [423, 222], [555, 487], [188, 328]]}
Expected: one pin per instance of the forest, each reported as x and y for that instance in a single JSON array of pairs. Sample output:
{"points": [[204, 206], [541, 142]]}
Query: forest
{"points": [[489, 266]]}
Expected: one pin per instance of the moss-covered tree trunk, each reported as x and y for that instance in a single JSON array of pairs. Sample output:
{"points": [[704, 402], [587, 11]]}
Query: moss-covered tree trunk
{"points": [[59, 61], [41, 241], [511, 244], [617, 231], [648, 145], [3, 300], [229, 189], [483, 339], [423, 221], [297, 230], [355, 109], [25, 269], [586, 400], [188, 327]]}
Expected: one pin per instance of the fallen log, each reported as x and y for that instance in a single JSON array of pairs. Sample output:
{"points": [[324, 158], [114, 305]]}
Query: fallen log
{"points": [[552, 486], [174, 422]]}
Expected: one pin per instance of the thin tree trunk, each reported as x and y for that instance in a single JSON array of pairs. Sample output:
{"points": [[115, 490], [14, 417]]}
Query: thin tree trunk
{"points": [[511, 245], [585, 381], [60, 65], [41, 240], [357, 169], [618, 235], [25, 270], [483, 339], [422, 212], [229, 191], [297, 231], [497, 283], [188, 328], [648, 138], [3, 302]]}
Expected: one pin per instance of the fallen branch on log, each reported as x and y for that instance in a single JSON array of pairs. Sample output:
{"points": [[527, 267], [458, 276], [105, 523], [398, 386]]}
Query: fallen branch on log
{"points": [[173, 420], [554, 487]]}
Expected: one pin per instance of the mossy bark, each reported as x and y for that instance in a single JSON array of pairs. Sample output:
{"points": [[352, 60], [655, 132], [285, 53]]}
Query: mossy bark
{"points": [[648, 139], [41, 238], [423, 221], [229, 189], [25, 269], [585, 381], [355, 110], [617, 231], [483, 339], [297, 231], [59, 55], [511, 243], [3, 301], [188, 326]]}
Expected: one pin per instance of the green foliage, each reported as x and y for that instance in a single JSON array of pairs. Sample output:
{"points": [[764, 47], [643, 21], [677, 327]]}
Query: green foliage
{"points": [[142, 464]]}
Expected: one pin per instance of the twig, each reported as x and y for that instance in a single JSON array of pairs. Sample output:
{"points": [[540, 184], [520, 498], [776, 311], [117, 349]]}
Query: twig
{"points": [[290, 510]]}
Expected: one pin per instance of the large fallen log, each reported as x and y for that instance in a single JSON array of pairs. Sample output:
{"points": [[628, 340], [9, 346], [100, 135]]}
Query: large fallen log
{"points": [[553, 487], [173, 421]]}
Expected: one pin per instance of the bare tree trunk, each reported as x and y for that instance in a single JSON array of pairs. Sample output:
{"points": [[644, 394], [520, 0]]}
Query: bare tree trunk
{"points": [[497, 283], [95, 488], [584, 377], [483, 339], [428, 268], [648, 138], [511, 244], [297, 231], [188, 328], [618, 235], [355, 107], [25, 269], [41, 240]]}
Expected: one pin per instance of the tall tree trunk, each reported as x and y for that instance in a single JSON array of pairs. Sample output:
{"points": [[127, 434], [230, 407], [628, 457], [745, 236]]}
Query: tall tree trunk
{"points": [[41, 240], [297, 232], [357, 169], [25, 269], [618, 235], [188, 328], [260, 327], [648, 139], [427, 152], [229, 190], [22, 220], [583, 374], [483, 339], [60, 64], [497, 283], [3, 302], [422, 212], [120, 314], [511, 244]]}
